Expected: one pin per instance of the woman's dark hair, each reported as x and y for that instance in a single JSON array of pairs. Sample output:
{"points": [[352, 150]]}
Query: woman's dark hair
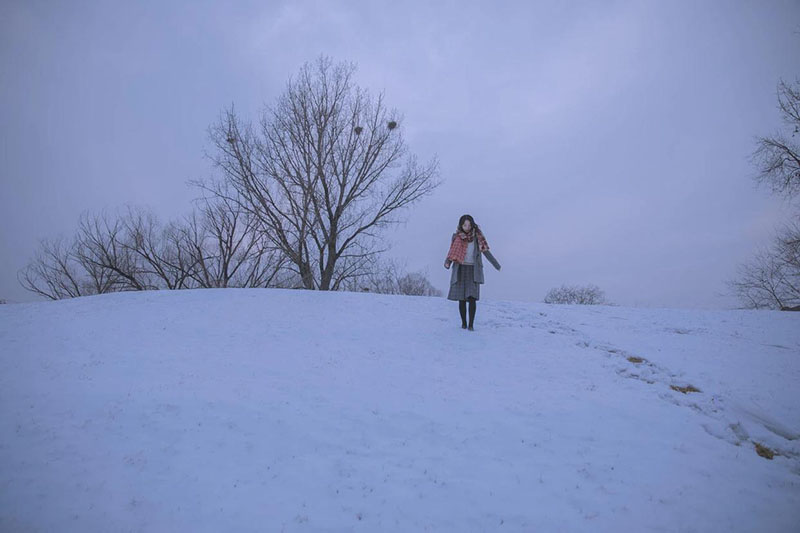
{"points": [[471, 221]]}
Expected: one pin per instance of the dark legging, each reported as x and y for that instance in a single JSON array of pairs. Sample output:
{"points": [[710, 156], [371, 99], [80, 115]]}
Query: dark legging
{"points": [[462, 308]]}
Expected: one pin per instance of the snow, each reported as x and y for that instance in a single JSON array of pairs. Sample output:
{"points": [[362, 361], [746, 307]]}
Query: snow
{"points": [[269, 409]]}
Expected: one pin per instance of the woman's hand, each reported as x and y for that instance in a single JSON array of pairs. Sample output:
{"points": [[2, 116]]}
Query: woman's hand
{"points": [[447, 263]]}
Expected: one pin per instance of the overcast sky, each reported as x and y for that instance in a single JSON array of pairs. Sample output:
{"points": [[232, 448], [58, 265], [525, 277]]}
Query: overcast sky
{"points": [[597, 142]]}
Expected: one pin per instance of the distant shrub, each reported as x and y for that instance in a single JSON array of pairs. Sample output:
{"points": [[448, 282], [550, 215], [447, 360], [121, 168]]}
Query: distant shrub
{"points": [[566, 294], [417, 284]]}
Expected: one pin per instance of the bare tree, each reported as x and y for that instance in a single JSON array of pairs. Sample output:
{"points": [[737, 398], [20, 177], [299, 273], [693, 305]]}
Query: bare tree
{"points": [[326, 170], [93, 262], [778, 157], [587, 295], [772, 278], [134, 246], [219, 247], [59, 270], [53, 272], [133, 251]]}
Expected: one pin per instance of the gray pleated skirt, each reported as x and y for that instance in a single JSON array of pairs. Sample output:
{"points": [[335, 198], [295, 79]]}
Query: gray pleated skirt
{"points": [[465, 285]]}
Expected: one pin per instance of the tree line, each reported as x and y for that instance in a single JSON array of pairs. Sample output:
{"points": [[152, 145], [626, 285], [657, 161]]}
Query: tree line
{"points": [[301, 200]]}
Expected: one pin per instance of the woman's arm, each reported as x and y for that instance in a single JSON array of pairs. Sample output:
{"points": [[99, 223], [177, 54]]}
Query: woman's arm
{"points": [[491, 259]]}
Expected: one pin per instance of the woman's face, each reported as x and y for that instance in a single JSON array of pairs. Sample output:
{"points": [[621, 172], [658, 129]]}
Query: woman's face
{"points": [[466, 226]]}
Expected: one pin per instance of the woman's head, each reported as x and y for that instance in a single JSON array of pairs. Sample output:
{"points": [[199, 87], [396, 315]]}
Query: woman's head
{"points": [[466, 223]]}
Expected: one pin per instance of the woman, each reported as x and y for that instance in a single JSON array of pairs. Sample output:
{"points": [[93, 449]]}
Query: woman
{"points": [[466, 250]]}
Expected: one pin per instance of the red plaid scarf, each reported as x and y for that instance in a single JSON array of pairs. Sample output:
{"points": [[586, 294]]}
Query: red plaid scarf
{"points": [[458, 246]]}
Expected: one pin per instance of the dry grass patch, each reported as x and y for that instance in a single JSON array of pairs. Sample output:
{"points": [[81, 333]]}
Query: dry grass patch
{"points": [[634, 359], [687, 388], [763, 451]]}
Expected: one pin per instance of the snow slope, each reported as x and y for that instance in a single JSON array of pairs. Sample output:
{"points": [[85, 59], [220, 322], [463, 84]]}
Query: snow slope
{"points": [[270, 410]]}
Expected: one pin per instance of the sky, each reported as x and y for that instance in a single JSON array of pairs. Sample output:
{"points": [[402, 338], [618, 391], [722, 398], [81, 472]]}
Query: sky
{"points": [[596, 142]]}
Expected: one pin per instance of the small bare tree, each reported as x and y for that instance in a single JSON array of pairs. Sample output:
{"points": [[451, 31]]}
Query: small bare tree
{"points": [[92, 262], [326, 170], [216, 246], [108, 254], [566, 294], [54, 271], [388, 276], [417, 284], [132, 251], [134, 246], [379, 277], [771, 279]]}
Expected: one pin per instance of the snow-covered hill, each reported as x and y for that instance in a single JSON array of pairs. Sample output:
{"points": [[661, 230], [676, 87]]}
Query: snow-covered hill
{"points": [[270, 410]]}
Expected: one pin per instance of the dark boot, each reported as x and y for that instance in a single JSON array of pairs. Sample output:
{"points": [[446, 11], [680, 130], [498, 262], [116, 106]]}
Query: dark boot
{"points": [[462, 309], [472, 308]]}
